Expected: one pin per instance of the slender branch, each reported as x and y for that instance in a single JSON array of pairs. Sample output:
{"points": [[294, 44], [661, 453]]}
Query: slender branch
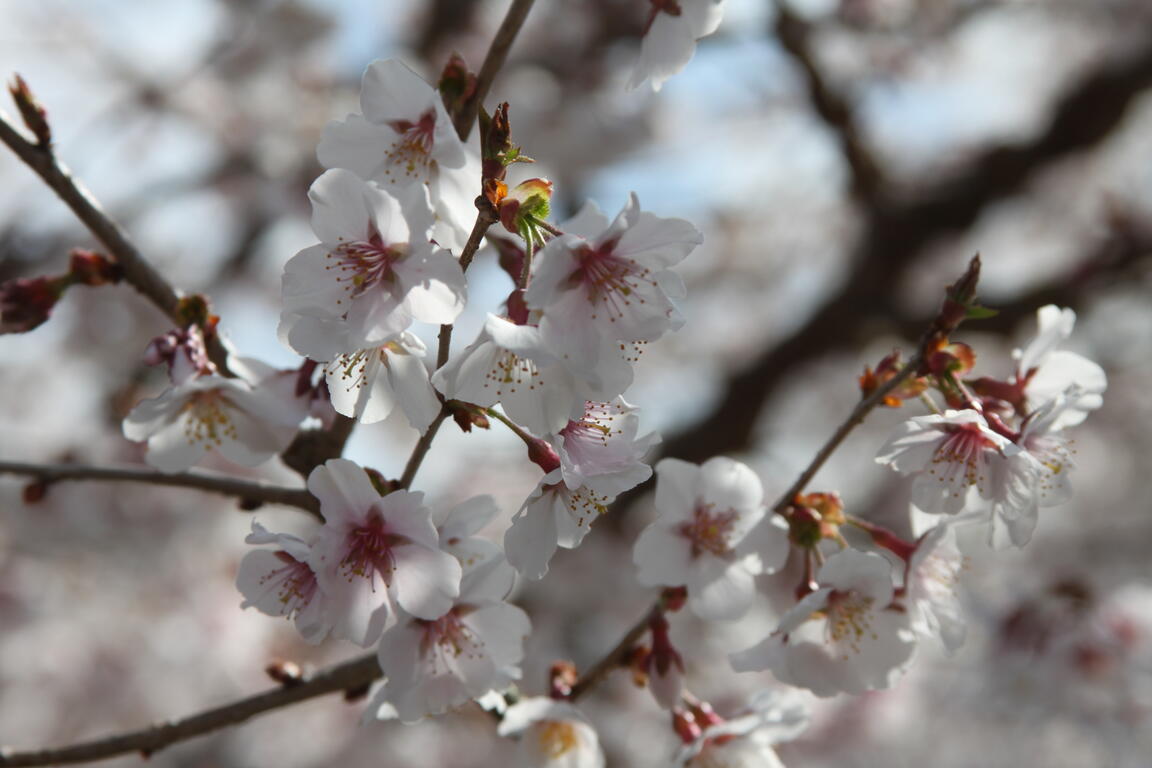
{"points": [[893, 238], [485, 218], [136, 269], [341, 677], [616, 656], [493, 62], [862, 409], [204, 481], [794, 34], [421, 449]]}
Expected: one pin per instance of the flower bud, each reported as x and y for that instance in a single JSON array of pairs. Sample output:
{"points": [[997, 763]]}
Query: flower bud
{"points": [[27, 303], [31, 111], [527, 203]]}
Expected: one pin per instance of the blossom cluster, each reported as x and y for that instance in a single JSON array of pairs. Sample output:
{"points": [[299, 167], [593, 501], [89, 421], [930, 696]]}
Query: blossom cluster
{"points": [[384, 570]]}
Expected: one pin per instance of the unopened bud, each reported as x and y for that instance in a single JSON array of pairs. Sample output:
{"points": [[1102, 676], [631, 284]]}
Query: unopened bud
{"points": [[35, 492], [91, 268], [527, 203], [672, 599], [467, 415], [286, 673], [31, 111], [542, 454], [28, 303], [457, 83], [561, 677]]}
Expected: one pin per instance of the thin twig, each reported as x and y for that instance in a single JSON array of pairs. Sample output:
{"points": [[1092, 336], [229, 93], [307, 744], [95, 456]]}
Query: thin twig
{"points": [[493, 63], [341, 677], [249, 490], [421, 449], [136, 270], [485, 218], [615, 657], [862, 409]]}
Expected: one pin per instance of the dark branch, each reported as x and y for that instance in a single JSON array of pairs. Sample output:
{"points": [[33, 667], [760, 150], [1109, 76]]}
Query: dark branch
{"points": [[895, 235], [342, 677], [245, 490], [136, 270], [794, 34]]}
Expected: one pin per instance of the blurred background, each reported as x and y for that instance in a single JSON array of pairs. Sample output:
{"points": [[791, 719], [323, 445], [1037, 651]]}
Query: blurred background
{"points": [[844, 159]]}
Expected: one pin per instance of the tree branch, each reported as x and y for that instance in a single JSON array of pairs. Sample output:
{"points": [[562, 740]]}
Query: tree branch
{"points": [[493, 62], [896, 233], [867, 181], [246, 490], [614, 657], [341, 677], [137, 272]]}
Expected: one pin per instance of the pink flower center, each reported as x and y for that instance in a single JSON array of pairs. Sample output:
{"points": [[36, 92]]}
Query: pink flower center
{"points": [[959, 457], [369, 550], [449, 636], [609, 281], [361, 265], [708, 531], [411, 152], [297, 584], [208, 421]]}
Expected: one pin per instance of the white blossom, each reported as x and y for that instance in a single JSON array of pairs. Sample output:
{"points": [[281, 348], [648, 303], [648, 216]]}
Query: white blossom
{"points": [[846, 637], [509, 364], [746, 741], [281, 582], [553, 734], [670, 37], [368, 384], [600, 457], [372, 274], [1047, 372], [950, 454], [613, 283], [375, 553], [931, 588], [405, 137], [243, 424], [711, 535], [475, 648]]}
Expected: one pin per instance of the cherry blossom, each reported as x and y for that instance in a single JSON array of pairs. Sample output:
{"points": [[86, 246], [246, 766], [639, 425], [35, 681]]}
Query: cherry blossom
{"points": [[846, 637], [711, 535], [281, 582], [1037, 476], [746, 741], [670, 37], [375, 553], [211, 412], [475, 648], [509, 364], [456, 526], [372, 274], [405, 137], [598, 458], [1047, 372], [369, 383], [553, 734], [609, 281], [949, 454], [931, 585]]}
